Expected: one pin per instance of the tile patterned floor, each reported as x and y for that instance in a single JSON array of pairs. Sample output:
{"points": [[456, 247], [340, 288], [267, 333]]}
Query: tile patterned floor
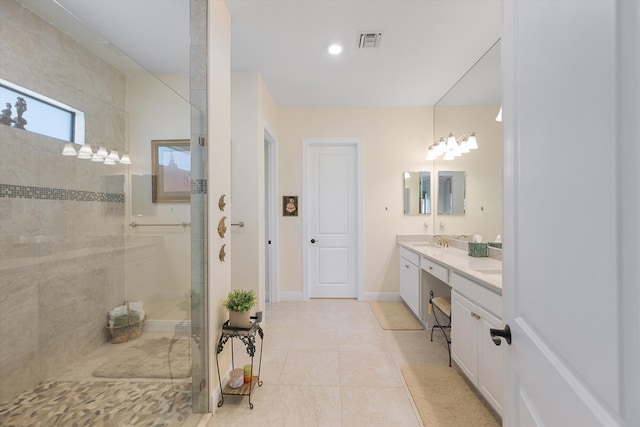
{"points": [[77, 398], [329, 363], [325, 363]]}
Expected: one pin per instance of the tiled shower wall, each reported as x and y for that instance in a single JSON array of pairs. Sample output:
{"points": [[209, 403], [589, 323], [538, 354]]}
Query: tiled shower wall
{"points": [[61, 219]]}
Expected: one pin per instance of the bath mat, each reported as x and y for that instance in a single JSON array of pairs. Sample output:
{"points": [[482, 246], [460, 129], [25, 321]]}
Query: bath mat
{"points": [[394, 315], [444, 399], [151, 358]]}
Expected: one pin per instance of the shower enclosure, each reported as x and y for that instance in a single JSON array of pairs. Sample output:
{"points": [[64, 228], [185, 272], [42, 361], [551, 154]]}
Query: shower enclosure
{"points": [[79, 237]]}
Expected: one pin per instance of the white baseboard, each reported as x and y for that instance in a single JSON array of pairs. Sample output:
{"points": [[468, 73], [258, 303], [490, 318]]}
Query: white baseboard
{"points": [[290, 296], [368, 296], [177, 327]]}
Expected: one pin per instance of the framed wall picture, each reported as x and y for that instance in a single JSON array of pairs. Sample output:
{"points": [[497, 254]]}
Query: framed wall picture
{"points": [[289, 205], [171, 171]]}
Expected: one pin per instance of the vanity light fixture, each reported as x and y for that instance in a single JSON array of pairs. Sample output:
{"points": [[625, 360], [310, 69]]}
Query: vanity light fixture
{"points": [[452, 147], [98, 154]]}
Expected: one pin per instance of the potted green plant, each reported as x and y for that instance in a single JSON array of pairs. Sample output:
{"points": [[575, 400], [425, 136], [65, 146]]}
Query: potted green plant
{"points": [[239, 302]]}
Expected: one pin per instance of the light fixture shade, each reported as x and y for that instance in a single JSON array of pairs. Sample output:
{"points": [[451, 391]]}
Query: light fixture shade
{"points": [[499, 116], [113, 155], [449, 156], [125, 160], [85, 152], [472, 142], [68, 150], [464, 146], [99, 155], [431, 154], [452, 144], [102, 152], [441, 147], [109, 162]]}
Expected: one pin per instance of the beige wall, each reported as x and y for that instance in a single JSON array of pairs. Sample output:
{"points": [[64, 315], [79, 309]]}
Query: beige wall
{"points": [[61, 257], [483, 169], [252, 109], [395, 140], [219, 179]]}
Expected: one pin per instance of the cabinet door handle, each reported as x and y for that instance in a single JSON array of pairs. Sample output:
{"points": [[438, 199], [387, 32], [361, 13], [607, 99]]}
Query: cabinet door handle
{"points": [[406, 266], [430, 268], [475, 316]]}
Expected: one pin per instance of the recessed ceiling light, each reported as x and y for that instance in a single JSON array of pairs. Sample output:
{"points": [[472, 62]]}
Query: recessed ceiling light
{"points": [[335, 49]]}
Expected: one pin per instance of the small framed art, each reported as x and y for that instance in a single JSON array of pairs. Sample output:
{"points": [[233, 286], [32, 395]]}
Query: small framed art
{"points": [[171, 171], [289, 205]]}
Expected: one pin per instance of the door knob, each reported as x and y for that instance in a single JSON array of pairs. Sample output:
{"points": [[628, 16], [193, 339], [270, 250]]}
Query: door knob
{"points": [[505, 333], [314, 240]]}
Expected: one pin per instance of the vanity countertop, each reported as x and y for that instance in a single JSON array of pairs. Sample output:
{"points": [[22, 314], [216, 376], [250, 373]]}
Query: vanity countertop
{"points": [[486, 271]]}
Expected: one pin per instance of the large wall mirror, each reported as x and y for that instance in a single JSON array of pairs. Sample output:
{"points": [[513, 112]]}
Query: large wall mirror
{"points": [[471, 105]]}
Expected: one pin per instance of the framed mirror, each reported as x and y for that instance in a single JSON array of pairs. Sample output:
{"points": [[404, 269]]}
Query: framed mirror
{"points": [[451, 192], [417, 192]]}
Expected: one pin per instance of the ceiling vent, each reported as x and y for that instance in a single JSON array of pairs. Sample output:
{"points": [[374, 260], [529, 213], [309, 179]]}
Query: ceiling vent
{"points": [[369, 40]]}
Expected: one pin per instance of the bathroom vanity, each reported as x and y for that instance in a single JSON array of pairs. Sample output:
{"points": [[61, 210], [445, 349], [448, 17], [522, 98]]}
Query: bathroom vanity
{"points": [[475, 286]]}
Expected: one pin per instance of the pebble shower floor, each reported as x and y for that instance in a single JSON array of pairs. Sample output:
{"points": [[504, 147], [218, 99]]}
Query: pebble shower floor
{"points": [[107, 404]]}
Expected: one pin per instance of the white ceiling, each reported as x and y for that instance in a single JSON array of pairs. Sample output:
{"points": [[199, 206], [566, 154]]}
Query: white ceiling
{"points": [[426, 45]]}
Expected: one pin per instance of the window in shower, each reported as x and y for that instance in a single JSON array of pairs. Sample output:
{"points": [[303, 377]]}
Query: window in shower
{"points": [[25, 109]]}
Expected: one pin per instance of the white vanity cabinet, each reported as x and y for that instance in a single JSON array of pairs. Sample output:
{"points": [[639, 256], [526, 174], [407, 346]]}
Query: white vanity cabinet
{"points": [[410, 279], [472, 348]]}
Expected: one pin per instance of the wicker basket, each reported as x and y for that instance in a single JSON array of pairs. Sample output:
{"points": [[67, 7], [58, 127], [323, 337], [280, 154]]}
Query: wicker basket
{"points": [[128, 332]]}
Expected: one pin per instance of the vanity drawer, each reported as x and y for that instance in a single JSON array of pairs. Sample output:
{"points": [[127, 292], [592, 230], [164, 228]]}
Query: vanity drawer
{"points": [[477, 293], [412, 257], [435, 269]]}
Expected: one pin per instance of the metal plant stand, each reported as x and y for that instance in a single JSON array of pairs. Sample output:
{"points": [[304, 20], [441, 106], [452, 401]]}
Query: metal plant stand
{"points": [[248, 338]]}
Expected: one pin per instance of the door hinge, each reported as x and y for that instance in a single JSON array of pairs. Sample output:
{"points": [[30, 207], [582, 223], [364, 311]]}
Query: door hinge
{"points": [[202, 141]]}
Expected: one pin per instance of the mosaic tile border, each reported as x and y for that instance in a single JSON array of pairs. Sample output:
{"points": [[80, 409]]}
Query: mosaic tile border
{"points": [[10, 191], [199, 186]]}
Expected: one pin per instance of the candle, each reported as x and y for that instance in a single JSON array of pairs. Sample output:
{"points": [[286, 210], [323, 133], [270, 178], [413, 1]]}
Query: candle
{"points": [[247, 373]]}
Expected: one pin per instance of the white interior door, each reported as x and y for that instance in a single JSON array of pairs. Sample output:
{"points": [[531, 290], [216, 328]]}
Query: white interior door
{"points": [[271, 218], [574, 353], [331, 211]]}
